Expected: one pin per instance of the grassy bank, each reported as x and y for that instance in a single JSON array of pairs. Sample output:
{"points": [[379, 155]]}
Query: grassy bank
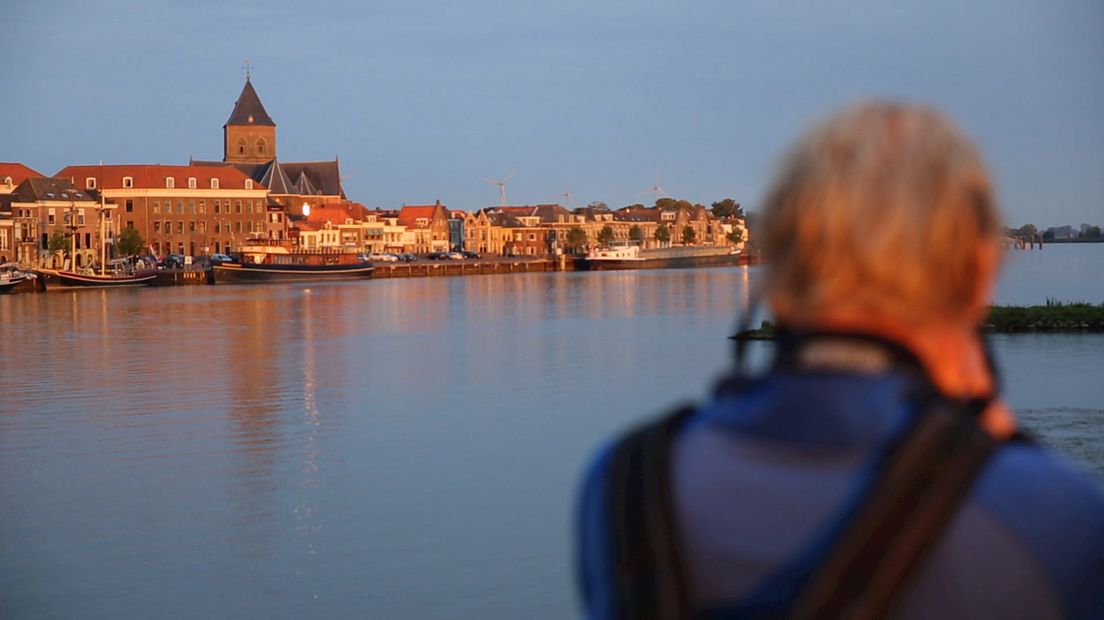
{"points": [[1054, 317]]}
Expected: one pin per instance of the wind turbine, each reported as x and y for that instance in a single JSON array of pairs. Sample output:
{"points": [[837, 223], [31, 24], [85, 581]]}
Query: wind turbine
{"points": [[567, 196], [655, 189], [501, 187]]}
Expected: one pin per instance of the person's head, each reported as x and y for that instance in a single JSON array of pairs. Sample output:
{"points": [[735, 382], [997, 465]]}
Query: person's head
{"points": [[885, 210]]}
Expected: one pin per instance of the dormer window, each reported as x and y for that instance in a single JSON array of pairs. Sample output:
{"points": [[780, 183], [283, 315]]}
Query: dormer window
{"points": [[8, 181], [191, 183], [90, 183], [128, 182], [249, 184], [214, 184], [170, 183]]}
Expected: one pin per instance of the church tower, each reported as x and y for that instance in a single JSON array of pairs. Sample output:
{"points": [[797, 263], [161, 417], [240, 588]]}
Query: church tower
{"points": [[249, 137]]}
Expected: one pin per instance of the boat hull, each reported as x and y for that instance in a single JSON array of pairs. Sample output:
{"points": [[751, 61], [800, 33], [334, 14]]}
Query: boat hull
{"points": [[78, 280], [669, 261], [8, 285], [237, 273]]}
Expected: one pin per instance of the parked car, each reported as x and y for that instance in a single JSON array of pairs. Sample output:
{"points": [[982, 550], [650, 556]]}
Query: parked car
{"points": [[470, 254], [437, 256], [218, 259], [382, 257], [456, 256], [407, 257], [173, 261]]}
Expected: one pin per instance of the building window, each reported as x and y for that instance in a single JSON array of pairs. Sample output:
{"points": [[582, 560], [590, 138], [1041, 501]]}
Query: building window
{"points": [[237, 206], [90, 183], [51, 218], [128, 182], [191, 206], [203, 227], [156, 226], [214, 184], [191, 226], [180, 206], [191, 183], [156, 206], [130, 206], [130, 223], [249, 184], [179, 227], [241, 146], [80, 217], [261, 146], [170, 183], [202, 206]]}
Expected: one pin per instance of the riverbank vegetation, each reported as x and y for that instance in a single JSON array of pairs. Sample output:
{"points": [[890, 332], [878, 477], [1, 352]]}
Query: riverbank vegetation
{"points": [[1054, 317]]}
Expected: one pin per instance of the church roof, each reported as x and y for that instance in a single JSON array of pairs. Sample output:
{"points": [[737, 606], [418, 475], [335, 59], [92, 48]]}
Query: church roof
{"points": [[324, 177], [304, 185], [248, 109], [273, 177]]}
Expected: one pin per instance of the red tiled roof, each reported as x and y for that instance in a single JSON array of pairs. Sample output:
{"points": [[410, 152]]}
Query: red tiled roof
{"points": [[410, 214], [18, 172], [152, 176], [338, 212]]}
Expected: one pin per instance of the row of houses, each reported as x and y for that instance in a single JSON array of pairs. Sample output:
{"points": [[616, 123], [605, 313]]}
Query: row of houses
{"points": [[208, 207], [204, 209]]}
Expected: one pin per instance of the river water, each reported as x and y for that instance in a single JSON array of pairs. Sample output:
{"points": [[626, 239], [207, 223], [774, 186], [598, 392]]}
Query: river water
{"points": [[384, 449]]}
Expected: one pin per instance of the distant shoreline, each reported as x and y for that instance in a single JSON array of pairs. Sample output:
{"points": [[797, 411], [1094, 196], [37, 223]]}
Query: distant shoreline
{"points": [[1054, 318]]}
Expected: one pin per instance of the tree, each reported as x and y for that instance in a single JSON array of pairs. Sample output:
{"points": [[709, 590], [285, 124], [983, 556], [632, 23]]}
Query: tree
{"points": [[736, 236], [605, 235], [663, 234], [1028, 231], [58, 243], [636, 233], [1093, 232], [728, 208], [598, 205], [130, 242], [576, 237], [688, 235]]}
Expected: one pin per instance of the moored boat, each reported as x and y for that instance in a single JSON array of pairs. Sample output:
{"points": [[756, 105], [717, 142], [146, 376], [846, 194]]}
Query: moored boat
{"points": [[281, 263], [104, 279], [12, 276], [631, 256]]}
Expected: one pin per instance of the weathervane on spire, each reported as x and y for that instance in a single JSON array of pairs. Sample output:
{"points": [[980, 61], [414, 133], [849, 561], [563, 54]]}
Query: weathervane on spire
{"points": [[248, 66]]}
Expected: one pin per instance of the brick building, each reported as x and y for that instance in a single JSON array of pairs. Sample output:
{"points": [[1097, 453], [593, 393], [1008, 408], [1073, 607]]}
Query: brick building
{"points": [[190, 210]]}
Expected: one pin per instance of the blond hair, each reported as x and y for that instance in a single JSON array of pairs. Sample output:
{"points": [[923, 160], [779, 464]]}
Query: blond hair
{"points": [[879, 210]]}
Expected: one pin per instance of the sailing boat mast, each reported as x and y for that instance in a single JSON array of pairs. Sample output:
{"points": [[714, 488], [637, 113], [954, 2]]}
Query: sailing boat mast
{"points": [[103, 239]]}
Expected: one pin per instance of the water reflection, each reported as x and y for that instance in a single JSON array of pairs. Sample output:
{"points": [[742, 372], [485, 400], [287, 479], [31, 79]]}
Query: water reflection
{"points": [[327, 449]]}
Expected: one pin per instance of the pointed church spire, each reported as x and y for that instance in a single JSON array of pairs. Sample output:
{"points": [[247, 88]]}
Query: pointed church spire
{"points": [[248, 109]]}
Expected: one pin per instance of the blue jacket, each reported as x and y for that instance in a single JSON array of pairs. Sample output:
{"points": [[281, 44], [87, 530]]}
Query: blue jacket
{"points": [[761, 476]]}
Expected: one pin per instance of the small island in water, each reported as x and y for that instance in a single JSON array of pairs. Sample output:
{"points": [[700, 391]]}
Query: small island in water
{"points": [[1054, 317]]}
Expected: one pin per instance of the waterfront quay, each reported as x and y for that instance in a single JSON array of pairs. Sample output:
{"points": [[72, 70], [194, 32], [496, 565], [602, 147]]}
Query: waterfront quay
{"points": [[422, 268]]}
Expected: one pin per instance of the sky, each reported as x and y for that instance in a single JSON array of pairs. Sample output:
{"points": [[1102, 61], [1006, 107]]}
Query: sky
{"points": [[422, 99]]}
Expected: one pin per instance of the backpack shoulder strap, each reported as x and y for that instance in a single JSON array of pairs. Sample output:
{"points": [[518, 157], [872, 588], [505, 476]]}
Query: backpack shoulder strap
{"points": [[922, 481], [649, 574]]}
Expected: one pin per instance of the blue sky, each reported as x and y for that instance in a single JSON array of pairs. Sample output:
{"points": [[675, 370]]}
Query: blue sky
{"points": [[421, 99]]}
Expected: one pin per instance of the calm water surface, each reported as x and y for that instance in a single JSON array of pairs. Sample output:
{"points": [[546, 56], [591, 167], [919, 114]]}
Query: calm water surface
{"points": [[388, 449]]}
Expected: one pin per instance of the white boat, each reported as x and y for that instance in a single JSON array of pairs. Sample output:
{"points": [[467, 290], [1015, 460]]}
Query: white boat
{"points": [[632, 256]]}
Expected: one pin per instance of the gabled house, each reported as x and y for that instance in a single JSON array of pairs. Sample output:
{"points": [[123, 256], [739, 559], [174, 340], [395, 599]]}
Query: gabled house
{"points": [[427, 227]]}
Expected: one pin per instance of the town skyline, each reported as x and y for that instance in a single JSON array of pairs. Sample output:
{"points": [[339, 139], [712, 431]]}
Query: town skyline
{"points": [[626, 93]]}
